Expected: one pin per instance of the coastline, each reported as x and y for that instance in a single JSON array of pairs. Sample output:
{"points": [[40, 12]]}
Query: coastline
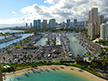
{"points": [[61, 67]]}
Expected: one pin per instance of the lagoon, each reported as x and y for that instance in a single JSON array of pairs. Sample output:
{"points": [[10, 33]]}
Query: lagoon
{"points": [[47, 75]]}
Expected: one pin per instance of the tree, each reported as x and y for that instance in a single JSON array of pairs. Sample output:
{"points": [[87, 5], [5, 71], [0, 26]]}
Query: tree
{"points": [[104, 64], [18, 61], [24, 56], [21, 59], [65, 59], [10, 61], [29, 58], [4, 58], [63, 54], [61, 60], [89, 58], [94, 64], [78, 55]]}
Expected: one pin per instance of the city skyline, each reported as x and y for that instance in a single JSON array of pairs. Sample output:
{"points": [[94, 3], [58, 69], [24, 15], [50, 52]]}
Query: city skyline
{"points": [[48, 9]]}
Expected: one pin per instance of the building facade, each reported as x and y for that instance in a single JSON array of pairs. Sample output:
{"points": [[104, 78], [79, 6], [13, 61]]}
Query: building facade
{"points": [[52, 23], [44, 24], [91, 30], [86, 24], [35, 23], [104, 32], [94, 15], [100, 21], [39, 23], [93, 22], [68, 22], [31, 25], [26, 24]]}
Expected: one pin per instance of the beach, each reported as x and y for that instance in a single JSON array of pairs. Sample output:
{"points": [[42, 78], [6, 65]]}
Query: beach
{"points": [[60, 67]]}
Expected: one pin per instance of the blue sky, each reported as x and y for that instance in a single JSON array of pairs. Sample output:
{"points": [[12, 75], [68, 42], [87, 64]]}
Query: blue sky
{"points": [[19, 12], [7, 6]]}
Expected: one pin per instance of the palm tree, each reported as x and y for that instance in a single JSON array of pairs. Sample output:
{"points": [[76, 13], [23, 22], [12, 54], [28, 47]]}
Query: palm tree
{"points": [[4, 58], [104, 64], [89, 58], [65, 59], [10, 61], [61, 60], [94, 64], [24, 57], [78, 55], [21, 59], [18, 61], [29, 58], [63, 54]]}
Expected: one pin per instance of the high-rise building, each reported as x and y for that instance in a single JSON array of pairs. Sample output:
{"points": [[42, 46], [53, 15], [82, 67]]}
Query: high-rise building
{"points": [[89, 20], [100, 21], [31, 25], [93, 22], [1, 79], [104, 32], [35, 23], [68, 22], [85, 23], [52, 23], [44, 24], [91, 30], [75, 21], [94, 15], [38, 23], [41, 25], [26, 24]]}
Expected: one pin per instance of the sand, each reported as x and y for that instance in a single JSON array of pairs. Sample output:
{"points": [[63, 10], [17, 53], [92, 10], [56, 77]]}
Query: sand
{"points": [[60, 67]]}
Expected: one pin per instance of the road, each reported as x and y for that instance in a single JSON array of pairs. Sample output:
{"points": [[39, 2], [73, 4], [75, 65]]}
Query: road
{"points": [[96, 46]]}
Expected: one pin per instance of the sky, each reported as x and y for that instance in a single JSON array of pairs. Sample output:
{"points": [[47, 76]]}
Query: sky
{"points": [[19, 12]]}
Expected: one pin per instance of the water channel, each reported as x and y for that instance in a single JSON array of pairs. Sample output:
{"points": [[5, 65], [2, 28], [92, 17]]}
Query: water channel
{"points": [[74, 43]]}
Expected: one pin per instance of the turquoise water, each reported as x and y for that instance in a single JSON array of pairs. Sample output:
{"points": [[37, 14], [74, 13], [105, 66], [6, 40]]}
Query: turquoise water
{"points": [[47, 75]]}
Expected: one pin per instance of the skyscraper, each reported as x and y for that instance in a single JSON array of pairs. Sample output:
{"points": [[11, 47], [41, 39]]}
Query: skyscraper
{"points": [[75, 21], [26, 24], [89, 20], [52, 23], [85, 23], [93, 15], [100, 21], [38, 23], [44, 24], [68, 22], [35, 23], [104, 32], [93, 28], [31, 25]]}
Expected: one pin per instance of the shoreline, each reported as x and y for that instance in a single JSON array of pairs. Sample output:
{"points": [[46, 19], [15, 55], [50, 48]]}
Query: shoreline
{"points": [[60, 67]]}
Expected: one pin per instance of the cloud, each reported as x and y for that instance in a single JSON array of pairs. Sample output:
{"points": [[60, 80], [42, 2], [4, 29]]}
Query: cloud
{"points": [[60, 10], [51, 1], [13, 12]]}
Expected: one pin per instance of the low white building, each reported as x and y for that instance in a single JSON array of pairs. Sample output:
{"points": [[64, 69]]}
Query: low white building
{"points": [[104, 31]]}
